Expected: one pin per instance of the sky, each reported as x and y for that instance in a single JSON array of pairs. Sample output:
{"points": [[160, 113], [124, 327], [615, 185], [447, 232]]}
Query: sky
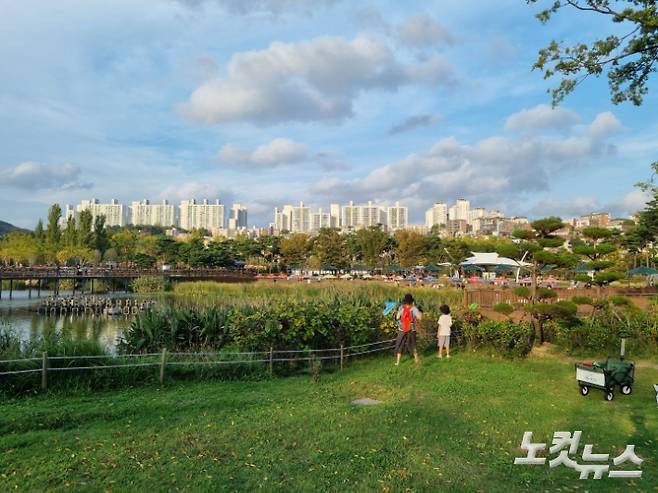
{"points": [[272, 102]]}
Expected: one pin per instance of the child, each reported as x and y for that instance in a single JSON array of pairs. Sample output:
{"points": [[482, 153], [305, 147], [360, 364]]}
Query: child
{"points": [[443, 334], [407, 316]]}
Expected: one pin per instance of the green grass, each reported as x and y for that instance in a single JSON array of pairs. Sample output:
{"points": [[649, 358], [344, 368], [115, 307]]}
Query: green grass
{"points": [[448, 425]]}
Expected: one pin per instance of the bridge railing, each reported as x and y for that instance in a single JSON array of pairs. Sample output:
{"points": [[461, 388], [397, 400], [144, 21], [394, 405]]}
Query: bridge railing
{"points": [[115, 272]]}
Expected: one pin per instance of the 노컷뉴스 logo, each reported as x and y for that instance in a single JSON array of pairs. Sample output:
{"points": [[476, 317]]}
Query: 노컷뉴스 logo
{"points": [[565, 444]]}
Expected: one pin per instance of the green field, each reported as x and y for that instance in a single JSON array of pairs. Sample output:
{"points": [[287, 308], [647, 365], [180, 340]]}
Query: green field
{"points": [[447, 425]]}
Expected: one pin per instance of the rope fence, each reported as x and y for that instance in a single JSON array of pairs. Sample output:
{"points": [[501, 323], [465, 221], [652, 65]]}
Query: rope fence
{"points": [[270, 357]]}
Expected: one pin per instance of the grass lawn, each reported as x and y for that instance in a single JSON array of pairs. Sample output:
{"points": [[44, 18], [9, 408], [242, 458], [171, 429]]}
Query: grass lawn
{"points": [[448, 425]]}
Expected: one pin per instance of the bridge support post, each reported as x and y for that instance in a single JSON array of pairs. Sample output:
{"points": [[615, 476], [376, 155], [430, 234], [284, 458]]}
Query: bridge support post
{"points": [[39, 288], [0, 288], [92, 285], [29, 291], [11, 288]]}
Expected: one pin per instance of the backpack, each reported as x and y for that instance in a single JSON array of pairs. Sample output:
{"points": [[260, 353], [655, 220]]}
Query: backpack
{"points": [[407, 318]]}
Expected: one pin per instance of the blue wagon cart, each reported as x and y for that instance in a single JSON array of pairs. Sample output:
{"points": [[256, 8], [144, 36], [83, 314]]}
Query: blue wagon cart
{"points": [[607, 375]]}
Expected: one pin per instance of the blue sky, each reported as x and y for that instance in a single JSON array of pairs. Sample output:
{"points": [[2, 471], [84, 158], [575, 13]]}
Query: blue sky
{"points": [[267, 102]]}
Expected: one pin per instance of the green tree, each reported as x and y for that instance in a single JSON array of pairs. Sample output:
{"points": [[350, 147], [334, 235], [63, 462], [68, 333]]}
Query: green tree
{"points": [[629, 58], [372, 243], [101, 240], [53, 231], [85, 233], [410, 248], [539, 247], [19, 248], [70, 234], [294, 249], [330, 248], [124, 242], [39, 233], [596, 247]]}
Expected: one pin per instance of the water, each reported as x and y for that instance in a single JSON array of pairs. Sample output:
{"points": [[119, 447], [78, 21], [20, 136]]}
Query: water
{"points": [[20, 314]]}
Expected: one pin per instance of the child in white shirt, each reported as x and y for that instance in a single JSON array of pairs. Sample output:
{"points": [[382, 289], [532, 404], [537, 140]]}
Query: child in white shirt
{"points": [[443, 333]]}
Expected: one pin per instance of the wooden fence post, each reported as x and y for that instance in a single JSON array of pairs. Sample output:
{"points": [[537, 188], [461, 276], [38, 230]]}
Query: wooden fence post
{"points": [[44, 371], [163, 363], [341, 357], [271, 361]]}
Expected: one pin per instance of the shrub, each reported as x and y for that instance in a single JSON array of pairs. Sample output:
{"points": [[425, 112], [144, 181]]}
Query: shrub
{"points": [[621, 301], [546, 294], [582, 300], [522, 291], [149, 284], [503, 308], [508, 338]]}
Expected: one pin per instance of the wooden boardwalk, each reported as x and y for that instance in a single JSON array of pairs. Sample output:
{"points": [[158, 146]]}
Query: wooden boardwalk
{"points": [[81, 274]]}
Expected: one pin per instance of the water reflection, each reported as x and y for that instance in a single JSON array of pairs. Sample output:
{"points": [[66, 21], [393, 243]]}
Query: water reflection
{"points": [[30, 325]]}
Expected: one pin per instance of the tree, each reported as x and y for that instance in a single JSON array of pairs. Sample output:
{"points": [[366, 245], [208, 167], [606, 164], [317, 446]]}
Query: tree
{"points": [[628, 59], [101, 240], [53, 231], [540, 246], [596, 247], [19, 248], [329, 247], [124, 243], [372, 243], [39, 233], [70, 234], [294, 249], [85, 234], [410, 248]]}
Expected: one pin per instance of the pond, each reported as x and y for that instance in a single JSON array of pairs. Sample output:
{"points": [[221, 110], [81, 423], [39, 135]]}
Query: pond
{"points": [[21, 315]]}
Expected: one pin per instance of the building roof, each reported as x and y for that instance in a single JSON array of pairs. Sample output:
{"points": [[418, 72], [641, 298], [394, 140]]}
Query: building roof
{"points": [[492, 258]]}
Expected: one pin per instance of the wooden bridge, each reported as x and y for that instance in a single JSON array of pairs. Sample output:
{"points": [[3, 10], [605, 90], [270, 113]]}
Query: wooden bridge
{"points": [[125, 274]]}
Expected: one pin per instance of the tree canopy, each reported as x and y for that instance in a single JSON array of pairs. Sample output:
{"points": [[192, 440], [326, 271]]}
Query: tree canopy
{"points": [[628, 54]]}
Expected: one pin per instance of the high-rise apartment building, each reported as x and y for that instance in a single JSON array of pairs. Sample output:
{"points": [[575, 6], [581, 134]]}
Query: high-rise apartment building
{"points": [[362, 216], [204, 215], [334, 212], [237, 218], [320, 220], [114, 212], [146, 214], [437, 215], [301, 219], [397, 217], [461, 210]]}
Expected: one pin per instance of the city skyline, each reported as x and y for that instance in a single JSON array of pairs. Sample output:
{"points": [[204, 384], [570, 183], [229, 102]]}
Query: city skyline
{"points": [[399, 101], [214, 216]]}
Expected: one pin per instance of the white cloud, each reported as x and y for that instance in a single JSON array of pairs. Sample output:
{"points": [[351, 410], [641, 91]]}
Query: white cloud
{"points": [[604, 125], [493, 170], [37, 176], [623, 206], [278, 152], [422, 30], [542, 117], [310, 80], [190, 190]]}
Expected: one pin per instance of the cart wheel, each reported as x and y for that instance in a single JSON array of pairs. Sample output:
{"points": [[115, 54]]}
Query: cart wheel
{"points": [[608, 396], [584, 390], [626, 389]]}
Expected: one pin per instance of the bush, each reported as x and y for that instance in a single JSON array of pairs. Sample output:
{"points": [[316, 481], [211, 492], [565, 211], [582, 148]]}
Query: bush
{"points": [[522, 291], [621, 301], [149, 284], [582, 300], [503, 308], [507, 338], [546, 294]]}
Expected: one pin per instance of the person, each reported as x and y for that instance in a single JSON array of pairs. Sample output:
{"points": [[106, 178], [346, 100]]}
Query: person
{"points": [[443, 332], [407, 316]]}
